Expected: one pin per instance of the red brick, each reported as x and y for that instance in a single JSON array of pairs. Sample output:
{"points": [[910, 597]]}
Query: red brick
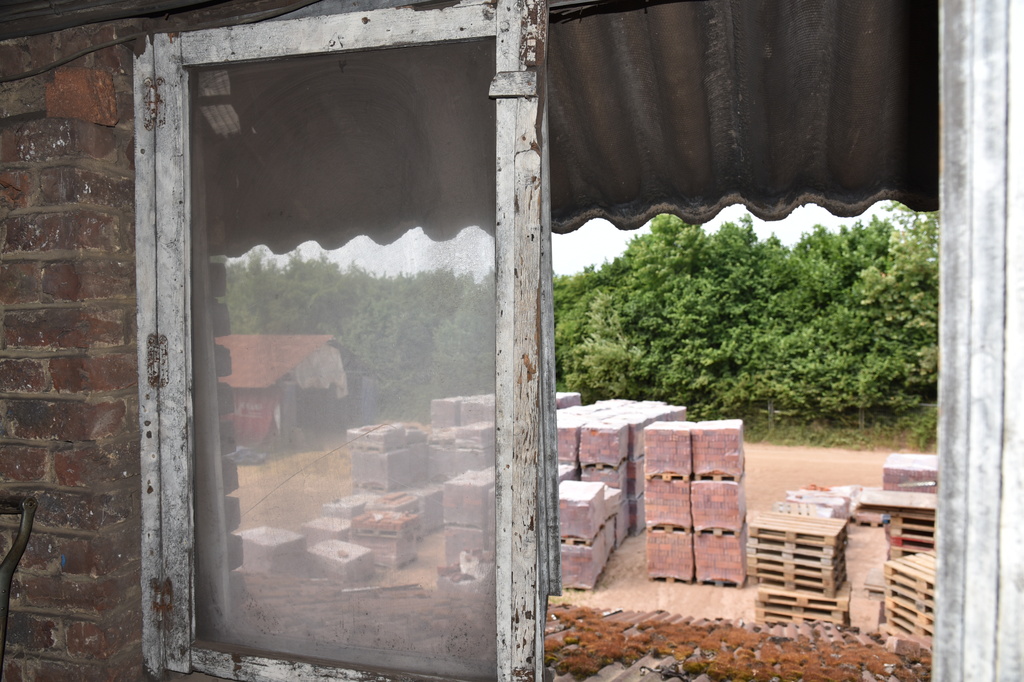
{"points": [[88, 466], [69, 593], [19, 282], [23, 463], [32, 631], [64, 420], [105, 639], [51, 138], [69, 185], [667, 448], [670, 555], [13, 667], [62, 231], [14, 58], [102, 553], [67, 328], [15, 189], [86, 94], [97, 373], [668, 502], [128, 666], [604, 443], [85, 280], [87, 510], [22, 376]]}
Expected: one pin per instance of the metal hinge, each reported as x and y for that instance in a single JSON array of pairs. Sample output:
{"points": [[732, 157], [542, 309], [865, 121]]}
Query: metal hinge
{"points": [[156, 360], [153, 116]]}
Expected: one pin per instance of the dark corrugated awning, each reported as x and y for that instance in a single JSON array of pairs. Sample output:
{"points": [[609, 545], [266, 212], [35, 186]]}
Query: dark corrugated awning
{"points": [[686, 107]]}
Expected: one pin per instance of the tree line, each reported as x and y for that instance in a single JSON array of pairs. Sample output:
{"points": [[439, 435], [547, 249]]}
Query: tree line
{"points": [[840, 323]]}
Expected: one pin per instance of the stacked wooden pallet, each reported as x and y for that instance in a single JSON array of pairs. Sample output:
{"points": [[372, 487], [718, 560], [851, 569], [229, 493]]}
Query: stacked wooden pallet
{"points": [[910, 595], [911, 516], [801, 564]]}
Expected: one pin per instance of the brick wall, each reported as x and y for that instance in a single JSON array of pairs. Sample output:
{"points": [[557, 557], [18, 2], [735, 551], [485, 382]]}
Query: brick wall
{"points": [[68, 403]]}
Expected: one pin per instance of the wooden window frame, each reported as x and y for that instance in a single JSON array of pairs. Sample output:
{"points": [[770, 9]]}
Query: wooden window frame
{"points": [[527, 569]]}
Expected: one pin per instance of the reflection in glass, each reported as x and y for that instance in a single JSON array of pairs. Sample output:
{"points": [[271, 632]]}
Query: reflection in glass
{"points": [[343, 358]]}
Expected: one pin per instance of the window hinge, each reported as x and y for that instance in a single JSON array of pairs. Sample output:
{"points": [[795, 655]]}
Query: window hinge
{"points": [[154, 113], [156, 360]]}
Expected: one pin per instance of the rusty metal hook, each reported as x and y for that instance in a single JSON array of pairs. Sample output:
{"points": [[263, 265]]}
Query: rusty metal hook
{"points": [[27, 509]]}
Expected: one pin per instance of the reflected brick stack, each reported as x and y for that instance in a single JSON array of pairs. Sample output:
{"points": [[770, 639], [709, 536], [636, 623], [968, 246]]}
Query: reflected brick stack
{"points": [[468, 519], [696, 506]]}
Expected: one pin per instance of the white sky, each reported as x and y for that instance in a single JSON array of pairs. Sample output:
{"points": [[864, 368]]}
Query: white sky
{"points": [[599, 241]]}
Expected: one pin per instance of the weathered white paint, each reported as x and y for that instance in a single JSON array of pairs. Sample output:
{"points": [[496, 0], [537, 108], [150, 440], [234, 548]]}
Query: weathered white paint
{"points": [[514, 84], [149, 417], [978, 631], [339, 33], [1010, 640], [248, 666]]}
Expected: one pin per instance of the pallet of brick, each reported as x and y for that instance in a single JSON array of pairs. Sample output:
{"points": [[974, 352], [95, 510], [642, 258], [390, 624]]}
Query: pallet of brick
{"points": [[376, 438], [717, 447], [718, 502], [568, 472], [777, 605], [569, 425], [637, 514], [339, 560], [667, 499], [584, 560], [326, 528], [567, 399], [582, 508], [614, 476], [911, 473], [670, 555], [390, 535], [475, 409], [272, 550], [798, 540], [667, 448], [469, 499], [389, 470], [821, 503], [720, 557], [444, 413], [430, 506], [459, 540], [604, 443], [618, 514], [910, 595]]}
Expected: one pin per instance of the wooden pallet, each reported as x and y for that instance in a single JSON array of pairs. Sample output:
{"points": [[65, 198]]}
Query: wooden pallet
{"points": [[910, 595], [799, 530], [904, 547], [808, 555], [776, 605], [789, 577]]}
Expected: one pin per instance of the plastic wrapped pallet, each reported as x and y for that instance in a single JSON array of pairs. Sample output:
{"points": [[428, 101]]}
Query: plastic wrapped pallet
{"points": [[582, 563], [604, 442], [563, 400], [668, 502], [670, 555], [718, 504], [569, 426], [721, 557], [824, 503], [667, 448], [911, 473], [582, 508], [718, 447]]}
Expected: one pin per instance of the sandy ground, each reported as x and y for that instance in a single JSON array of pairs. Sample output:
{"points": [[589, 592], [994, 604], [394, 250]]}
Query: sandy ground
{"points": [[771, 471], [290, 489]]}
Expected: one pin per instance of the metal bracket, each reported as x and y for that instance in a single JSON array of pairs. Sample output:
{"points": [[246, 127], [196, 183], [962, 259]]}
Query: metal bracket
{"points": [[153, 115]]}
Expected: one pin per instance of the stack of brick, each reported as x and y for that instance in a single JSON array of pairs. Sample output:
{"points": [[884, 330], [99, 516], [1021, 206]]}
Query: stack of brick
{"points": [[385, 458], [696, 505], [800, 562], [569, 425], [564, 400], [668, 466], [911, 473], [718, 502], [468, 505], [588, 515], [461, 437], [391, 536]]}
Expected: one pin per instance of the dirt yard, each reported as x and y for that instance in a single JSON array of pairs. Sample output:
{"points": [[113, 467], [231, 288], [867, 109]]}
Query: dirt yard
{"points": [[771, 470]]}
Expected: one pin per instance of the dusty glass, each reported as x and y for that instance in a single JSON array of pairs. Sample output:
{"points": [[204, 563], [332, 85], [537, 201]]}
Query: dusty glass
{"points": [[343, 365]]}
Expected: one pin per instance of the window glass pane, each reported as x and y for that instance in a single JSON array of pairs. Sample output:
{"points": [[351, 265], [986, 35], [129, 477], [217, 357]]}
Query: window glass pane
{"points": [[343, 357]]}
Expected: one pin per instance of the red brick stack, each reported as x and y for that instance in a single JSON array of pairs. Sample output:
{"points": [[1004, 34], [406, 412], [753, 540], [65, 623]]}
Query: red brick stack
{"points": [[391, 536], [588, 530], [384, 459], [468, 519], [696, 507], [911, 473], [718, 502], [603, 450], [461, 436]]}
